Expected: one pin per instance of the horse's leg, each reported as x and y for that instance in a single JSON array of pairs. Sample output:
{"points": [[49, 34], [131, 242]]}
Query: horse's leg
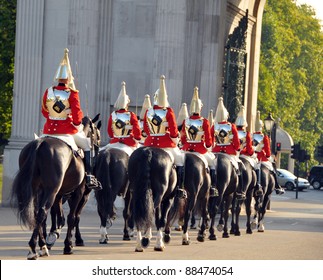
{"points": [[213, 209], [139, 247], [193, 221], [233, 217], [38, 232], [201, 233], [188, 213], [225, 214], [262, 212], [58, 221], [248, 213], [71, 217], [220, 225], [237, 216], [126, 216], [160, 216]]}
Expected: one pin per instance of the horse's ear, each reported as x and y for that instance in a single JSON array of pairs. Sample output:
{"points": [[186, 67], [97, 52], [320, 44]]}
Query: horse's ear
{"points": [[96, 118], [99, 125]]}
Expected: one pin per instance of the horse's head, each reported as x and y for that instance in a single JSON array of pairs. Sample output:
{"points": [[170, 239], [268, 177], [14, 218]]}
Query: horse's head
{"points": [[92, 131]]}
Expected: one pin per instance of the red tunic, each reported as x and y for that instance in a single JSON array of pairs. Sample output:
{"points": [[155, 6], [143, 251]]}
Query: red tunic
{"points": [[248, 149], [63, 126], [265, 153], [134, 134], [163, 141], [200, 147], [230, 149]]}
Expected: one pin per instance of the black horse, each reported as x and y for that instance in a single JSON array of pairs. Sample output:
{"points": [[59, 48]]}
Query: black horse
{"points": [[152, 178], [197, 183], [249, 180], [111, 169], [227, 181], [267, 182], [49, 168]]}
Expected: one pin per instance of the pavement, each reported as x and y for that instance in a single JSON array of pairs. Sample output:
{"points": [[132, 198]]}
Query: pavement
{"points": [[293, 231]]}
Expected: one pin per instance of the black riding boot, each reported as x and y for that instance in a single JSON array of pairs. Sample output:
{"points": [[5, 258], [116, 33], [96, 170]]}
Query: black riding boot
{"points": [[258, 188], [181, 192], [241, 192], [90, 181], [279, 190], [213, 190]]}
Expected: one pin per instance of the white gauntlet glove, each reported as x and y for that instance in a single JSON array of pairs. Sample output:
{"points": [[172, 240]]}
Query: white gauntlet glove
{"points": [[79, 127]]}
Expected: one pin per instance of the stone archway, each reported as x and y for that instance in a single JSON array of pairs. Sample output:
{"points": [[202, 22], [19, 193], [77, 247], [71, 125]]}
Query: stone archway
{"points": [[286, 141]]}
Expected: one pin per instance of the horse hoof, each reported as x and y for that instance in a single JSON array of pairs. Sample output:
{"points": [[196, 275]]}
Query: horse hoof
{"points": [[186, 242], [43, 252], [220, 227], [68, 251], [232, 231], [225, 235], [237, 233], [249, 231], [212, 237], [253, 225], [145, 242], [32, 256], [79, 243], [139, 250], [261, 228], [51, 239], [126, 238], [178, 228], [103, 241], [159, 249], [166, 238], [200, 238]]}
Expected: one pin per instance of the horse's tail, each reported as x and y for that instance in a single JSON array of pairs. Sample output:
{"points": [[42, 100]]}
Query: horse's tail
{"points": [[102, 173], [143, 206], [22, 195]]}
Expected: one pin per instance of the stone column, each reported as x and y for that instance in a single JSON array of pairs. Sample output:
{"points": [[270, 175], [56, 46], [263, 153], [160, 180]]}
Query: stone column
{"points": [[168, 49], [28, 72]]}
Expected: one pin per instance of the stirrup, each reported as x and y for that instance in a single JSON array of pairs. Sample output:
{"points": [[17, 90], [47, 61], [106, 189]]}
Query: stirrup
{"points": [[92, 183], [214, 192]]}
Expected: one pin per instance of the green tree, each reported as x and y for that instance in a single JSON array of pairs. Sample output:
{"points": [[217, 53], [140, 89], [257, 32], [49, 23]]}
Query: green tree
{"points": [[291, 72], [7, 52]]}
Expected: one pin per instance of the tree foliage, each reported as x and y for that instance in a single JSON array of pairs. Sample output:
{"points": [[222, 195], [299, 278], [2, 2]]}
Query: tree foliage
{"points": [[7, 52], [291, 72]]}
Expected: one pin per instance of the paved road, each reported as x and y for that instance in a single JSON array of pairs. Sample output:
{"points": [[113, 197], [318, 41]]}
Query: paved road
{"points": [[294, 231]]}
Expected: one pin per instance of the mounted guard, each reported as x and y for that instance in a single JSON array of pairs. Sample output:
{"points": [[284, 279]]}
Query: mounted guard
{"points": [[162, 132], [261, 143], [123, 126], [226, 141], [62, 110], [196, 137]]}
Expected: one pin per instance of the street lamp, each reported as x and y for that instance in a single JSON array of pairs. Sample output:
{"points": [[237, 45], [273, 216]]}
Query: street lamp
{"points": [[269, 123], [270, 126]]}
